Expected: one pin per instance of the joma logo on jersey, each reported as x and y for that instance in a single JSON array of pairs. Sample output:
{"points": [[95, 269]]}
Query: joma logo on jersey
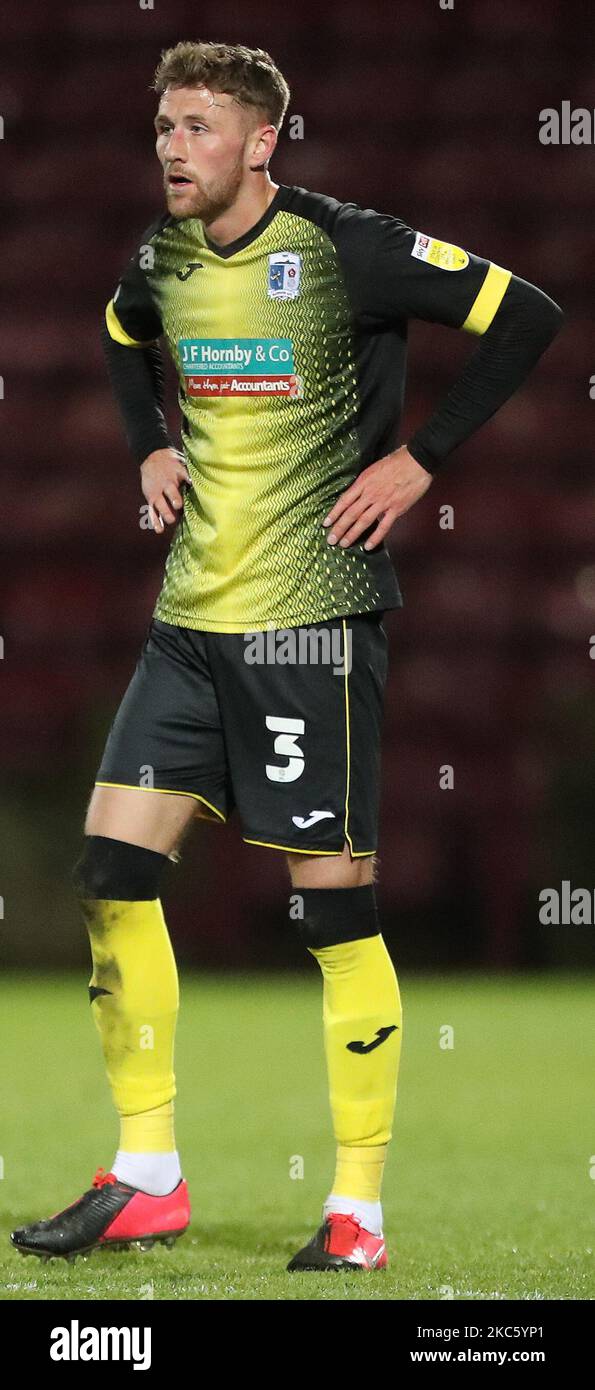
{"points": [[239, 366], [188, 269], [284, 275]]}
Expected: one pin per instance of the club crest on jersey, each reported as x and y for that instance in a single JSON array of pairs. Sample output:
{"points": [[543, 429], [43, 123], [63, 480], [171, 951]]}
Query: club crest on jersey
{"points": [[284, 275], [439, 253]]}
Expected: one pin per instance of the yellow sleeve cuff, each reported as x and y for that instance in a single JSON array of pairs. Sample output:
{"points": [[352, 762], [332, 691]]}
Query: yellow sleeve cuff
{"points": [[488, 300], [119, 334]]}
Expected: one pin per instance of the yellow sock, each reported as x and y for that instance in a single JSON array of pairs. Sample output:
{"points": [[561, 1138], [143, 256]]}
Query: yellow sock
{"points": [[135, 998], [362, 1021], [359, 1171], [151, 1131]]}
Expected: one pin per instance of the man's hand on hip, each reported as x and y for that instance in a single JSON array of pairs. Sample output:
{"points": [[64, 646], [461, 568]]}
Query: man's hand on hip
{"points": [[161, 475], [383, 492]]}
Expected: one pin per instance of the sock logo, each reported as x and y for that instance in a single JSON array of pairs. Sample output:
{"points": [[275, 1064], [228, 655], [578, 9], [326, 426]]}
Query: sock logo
{"points": [[381, 1035]]}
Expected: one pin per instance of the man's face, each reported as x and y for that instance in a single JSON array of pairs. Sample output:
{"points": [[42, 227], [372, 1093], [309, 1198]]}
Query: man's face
{"points": [[204, 142]]}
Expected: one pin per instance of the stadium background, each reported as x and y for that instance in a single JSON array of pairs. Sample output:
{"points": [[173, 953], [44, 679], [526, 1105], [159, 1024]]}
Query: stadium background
{"points": [[430, 115]]}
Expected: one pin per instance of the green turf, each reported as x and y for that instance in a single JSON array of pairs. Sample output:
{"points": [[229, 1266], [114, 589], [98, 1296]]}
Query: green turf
{"points": [[487, 1191]]}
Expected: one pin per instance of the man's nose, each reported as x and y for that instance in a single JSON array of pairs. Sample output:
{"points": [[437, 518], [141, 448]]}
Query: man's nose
{"points": [[175, 147]]}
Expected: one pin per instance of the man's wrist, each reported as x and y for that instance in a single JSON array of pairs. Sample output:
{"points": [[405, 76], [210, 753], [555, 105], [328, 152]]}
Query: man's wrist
{"points": [[422, 455], [149, 444]]}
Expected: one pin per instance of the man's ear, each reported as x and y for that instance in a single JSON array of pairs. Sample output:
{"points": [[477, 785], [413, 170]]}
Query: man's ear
{"points": [[264, 147]]}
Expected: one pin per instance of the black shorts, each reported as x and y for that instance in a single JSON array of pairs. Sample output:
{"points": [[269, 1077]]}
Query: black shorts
{"points": [[276, 723]]}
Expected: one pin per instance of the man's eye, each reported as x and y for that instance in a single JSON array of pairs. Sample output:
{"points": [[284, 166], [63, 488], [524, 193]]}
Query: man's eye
{"points": [[197, 127]]}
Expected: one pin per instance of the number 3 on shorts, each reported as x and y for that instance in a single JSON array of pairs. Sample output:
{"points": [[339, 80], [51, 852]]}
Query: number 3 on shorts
{"points": [[286, 746]]}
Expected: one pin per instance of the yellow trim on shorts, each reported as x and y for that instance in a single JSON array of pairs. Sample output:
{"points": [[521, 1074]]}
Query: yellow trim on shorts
{"points": [[488, 300], [328, 853], [163, 791], [290, 849], [119, 334], [347, 742]]}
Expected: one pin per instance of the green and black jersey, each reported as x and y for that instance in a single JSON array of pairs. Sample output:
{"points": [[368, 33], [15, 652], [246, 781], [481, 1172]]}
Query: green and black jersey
{"points": [[290, 346]]}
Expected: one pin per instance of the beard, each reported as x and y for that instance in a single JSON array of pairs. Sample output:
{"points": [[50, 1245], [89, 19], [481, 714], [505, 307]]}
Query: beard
{"points": [[207, 202]]}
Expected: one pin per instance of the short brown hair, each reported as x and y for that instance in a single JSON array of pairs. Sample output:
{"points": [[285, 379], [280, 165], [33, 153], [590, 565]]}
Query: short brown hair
{"points": [[247, 74]]}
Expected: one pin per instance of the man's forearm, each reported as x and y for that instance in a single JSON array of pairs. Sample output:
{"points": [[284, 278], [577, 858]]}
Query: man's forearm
{"points": [[524, 325], [137, 380]]}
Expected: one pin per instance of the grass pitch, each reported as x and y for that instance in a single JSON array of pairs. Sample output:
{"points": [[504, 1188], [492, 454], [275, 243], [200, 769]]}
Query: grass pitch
{"points": [[488, 1190]]}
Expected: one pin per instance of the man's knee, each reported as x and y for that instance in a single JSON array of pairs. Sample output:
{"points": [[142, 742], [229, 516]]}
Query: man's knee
{"points": [[332, 916], [116, 870]]}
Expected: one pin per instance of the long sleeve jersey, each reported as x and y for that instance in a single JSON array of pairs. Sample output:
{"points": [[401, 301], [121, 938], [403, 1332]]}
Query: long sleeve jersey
{"points": [[290, 345]]}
